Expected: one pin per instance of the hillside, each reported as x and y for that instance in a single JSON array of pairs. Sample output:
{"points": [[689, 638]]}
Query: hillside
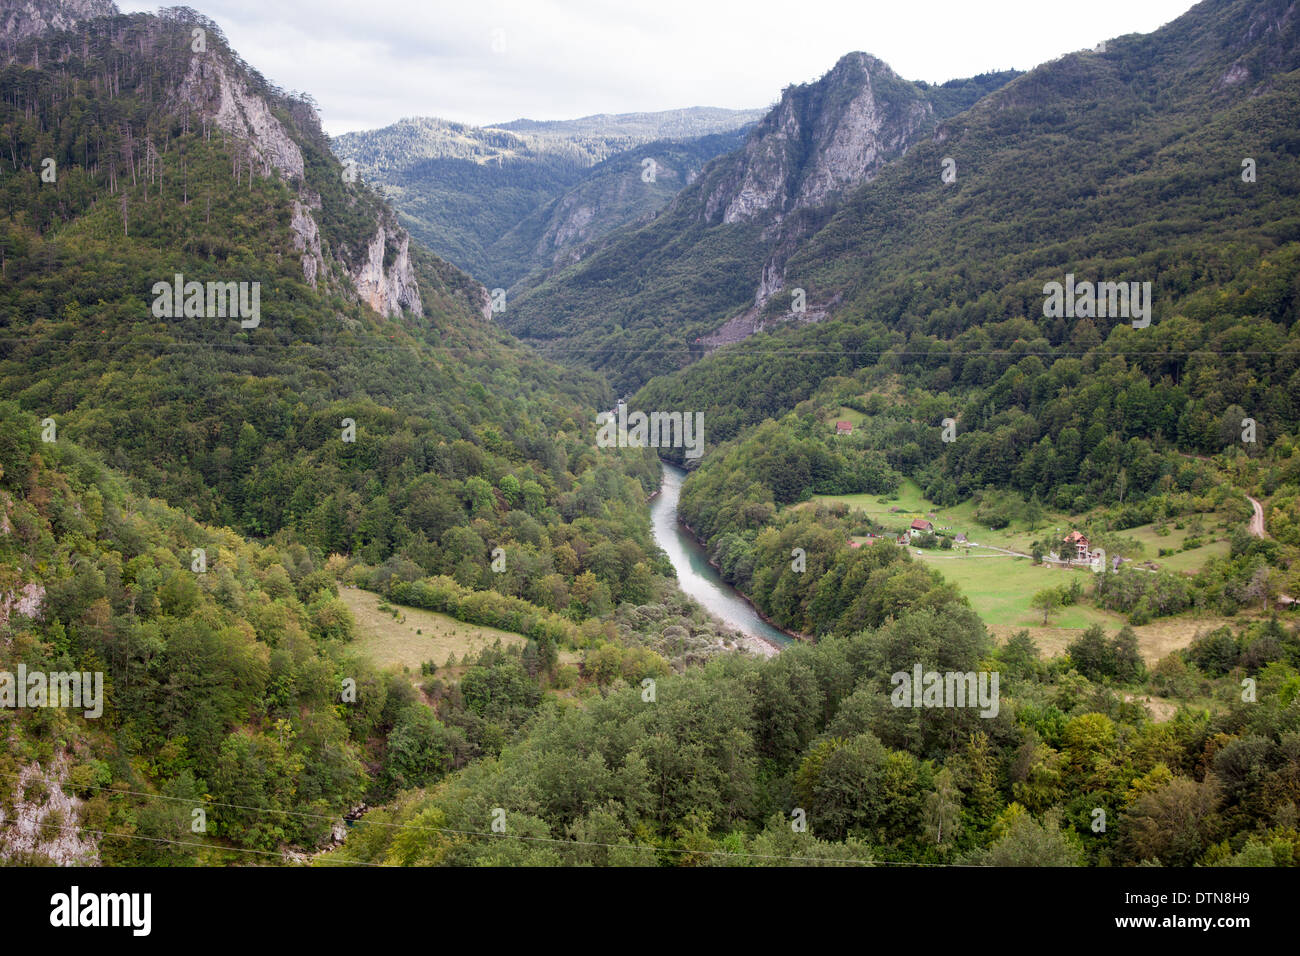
{"points": [[636, 305], [507, 200], [357, 580], [938, 371], [345, 398], [219, 687], [949, 278]]}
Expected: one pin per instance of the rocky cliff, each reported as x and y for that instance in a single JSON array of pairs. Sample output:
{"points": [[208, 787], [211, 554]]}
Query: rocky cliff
{"points": [[388, 291], [710, 267], [20, 19], [267, 132], [218, 89], [820, 139]]}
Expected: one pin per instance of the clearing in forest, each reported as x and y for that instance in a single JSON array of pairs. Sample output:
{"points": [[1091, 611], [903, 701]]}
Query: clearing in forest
{"points": [[390, 641]]}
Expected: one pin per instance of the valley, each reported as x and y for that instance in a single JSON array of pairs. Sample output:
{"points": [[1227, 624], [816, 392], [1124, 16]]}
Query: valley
{"points": [[577, 492]]}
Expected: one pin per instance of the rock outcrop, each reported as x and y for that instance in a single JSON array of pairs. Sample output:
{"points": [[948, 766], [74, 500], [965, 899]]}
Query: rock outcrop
{"points": [[220, 92], [306, 239], [388, 290], [25, 601], [42, 827], [213, 87], [821, 139], [20, 19]]}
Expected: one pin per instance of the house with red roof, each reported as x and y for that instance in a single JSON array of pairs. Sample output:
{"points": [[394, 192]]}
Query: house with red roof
{"points": [[1079, 542]]}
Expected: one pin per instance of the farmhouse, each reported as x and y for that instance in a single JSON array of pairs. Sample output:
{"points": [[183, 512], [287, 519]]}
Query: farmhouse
{"points": [[1079, 543], [843, 428], [920, 524]]}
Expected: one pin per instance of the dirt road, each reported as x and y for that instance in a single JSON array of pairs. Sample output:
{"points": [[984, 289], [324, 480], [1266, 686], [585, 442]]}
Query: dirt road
{"points": [[1257, 519]]}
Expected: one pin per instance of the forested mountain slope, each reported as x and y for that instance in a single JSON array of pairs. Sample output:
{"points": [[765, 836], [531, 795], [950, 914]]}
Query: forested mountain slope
{"points": [[947, 279], [620, 193], [635, 306], [943, 338], [186, 491], [345, 395]]}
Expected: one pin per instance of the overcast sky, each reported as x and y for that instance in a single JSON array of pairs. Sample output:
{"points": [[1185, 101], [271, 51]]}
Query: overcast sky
{"points": [[370, 62]]}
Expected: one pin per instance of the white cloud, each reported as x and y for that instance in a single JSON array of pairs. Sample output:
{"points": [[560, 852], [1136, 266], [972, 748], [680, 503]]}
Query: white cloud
{"points": [[370, 63]]}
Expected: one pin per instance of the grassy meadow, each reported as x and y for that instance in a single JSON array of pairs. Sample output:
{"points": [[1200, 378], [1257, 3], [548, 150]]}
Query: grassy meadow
{"points": [[415, 635]]}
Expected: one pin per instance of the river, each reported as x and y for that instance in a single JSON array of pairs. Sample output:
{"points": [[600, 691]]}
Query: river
{"points": [[695, 575]]}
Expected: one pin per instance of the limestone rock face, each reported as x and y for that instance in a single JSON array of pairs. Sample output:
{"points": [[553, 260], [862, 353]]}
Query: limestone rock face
{"points": [[42, 821], [219, 92], [821, 139], [306, 239], [572, 226], [485, 302], [25, 601], [856, 142], [20, 19], [211, 87], [388, 291]]}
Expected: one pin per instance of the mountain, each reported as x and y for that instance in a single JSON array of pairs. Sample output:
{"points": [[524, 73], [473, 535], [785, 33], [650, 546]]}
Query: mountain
{"points": [[911, 262], [604, 134], [340, 547], [1170, 115], [506, 200], [701, 271], [230, 380], [941, 349], [623, 190]]}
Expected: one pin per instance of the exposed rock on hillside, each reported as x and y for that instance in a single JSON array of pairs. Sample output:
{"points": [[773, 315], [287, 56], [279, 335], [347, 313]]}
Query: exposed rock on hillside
{"points": [[821, 138], [711, 267], [218, 92], [20, 19], [388, 291], [42, 827], [211, 87]]}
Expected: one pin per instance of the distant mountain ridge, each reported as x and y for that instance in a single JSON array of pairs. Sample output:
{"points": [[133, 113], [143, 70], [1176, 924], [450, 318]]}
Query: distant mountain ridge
{"points": [[618, 193], [632, 129], [503, 201]]}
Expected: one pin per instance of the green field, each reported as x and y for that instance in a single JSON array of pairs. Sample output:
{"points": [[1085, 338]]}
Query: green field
{"points": [[909, 500], [1017, 536], [959, 518], [1195, 559], [1000, 588], [1216, 546], [394, 642], [851, 415]]}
